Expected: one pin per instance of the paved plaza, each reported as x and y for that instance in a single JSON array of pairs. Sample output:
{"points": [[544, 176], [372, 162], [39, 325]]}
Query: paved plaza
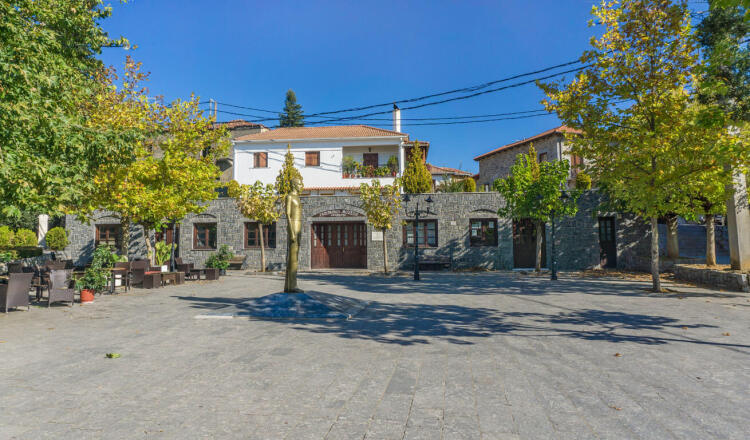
{"points": [[474, 356]]}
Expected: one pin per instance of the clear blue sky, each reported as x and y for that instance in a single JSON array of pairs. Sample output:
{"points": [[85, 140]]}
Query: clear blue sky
{"points": [[339, 54]]}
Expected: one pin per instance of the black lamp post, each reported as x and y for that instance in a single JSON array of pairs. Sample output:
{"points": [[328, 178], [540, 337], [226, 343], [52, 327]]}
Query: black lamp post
{"points": [[417, 212], [172, 267], [563, 198]]}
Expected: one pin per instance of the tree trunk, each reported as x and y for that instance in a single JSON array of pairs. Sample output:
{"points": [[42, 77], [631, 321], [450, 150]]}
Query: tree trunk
{"points": [[539, 232], [125, 239], [655, 254], [262, 248], [710, 240], [673, 246], [385, 255], [149, 246]]}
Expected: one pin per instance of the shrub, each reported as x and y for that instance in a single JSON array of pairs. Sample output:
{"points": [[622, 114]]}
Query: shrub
{"points": [[470, 185], [8, 256], [417, 179], [104, 257], [220, 260], [583, 181], [28, 251], [57, 238], [24, 238], [6, 237], [393, 164]]}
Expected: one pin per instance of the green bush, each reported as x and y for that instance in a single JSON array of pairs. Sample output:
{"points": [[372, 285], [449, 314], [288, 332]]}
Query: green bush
{"points": [[417, 179], [24, 238], [56, 238], [6, 237], [162, 253], [583, 181], [8, 256], [27, 251], [104, 257], [220, 260], [470, 185]]}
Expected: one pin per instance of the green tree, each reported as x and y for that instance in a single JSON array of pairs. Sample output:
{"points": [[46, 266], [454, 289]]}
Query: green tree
{"points": [[293, 115], [381, 204], [257, 202], [416, 179], [49, 73], [56, 238], [631, 104], [289, 176], [533, 190], [469, 185]]}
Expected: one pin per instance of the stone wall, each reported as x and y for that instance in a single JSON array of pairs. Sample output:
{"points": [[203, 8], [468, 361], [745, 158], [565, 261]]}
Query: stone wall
{"points": [[498, 165], [576, 238], [720, 279]]}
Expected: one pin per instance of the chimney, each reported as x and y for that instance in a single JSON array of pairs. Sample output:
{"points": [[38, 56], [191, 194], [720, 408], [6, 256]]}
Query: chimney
{"points": [[396, 118]]}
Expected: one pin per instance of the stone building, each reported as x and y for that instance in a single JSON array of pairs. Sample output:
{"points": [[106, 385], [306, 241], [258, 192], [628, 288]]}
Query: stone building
{"points": [[460, 231], [549, 145]]}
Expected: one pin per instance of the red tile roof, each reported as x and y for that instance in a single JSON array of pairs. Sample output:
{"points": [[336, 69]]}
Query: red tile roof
{"points": [[433, 169], [335, 131], [560, 129], [240, 123]]}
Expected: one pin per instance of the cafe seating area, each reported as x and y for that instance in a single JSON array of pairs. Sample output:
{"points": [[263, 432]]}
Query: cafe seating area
{"points": [[27, 284]]}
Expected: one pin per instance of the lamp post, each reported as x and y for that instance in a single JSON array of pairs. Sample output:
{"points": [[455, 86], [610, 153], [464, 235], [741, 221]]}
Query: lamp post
{"points": [[417, 212]]}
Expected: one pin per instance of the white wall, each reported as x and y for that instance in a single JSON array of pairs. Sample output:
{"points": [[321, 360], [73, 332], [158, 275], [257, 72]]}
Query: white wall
{"points": [[331, 154]]}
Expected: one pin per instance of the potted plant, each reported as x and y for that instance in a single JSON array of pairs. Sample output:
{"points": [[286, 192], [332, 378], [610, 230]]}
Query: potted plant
{"points": [[94, 279], [357, 169], [392, 164], [348, 166], [162, 254], [220, 260]]}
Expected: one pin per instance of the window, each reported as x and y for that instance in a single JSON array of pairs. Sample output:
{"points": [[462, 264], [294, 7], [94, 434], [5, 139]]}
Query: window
{"points": [[260, 160], [483, 232], [542, 157], [251, 235], [425, 232], [576, 164], [108, 234], [204, 236], [370, 159], [312, 158]]}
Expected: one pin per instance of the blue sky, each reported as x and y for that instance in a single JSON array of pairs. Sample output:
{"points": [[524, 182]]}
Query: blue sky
{"points": [[340, 54]]}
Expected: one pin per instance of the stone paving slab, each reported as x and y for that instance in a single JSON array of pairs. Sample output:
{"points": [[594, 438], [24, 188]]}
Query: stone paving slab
{"points": [[477, 356]]}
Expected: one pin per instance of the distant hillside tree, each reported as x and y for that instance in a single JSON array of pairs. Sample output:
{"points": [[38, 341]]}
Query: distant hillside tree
{"points": [[293, 115], [416, 179]]}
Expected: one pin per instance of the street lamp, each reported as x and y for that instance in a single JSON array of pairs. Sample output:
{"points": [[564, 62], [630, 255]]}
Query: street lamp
{"points": [[172, 267], [417, 212]]}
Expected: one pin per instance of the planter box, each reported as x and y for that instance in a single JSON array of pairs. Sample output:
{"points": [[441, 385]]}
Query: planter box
{"points": [[720, 279]]}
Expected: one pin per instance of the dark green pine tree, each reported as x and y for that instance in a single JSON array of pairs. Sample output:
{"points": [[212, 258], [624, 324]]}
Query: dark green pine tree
{"points": [[292, 116]]}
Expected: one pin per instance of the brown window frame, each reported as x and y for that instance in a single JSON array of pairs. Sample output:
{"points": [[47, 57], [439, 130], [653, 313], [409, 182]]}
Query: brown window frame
{"points": [[207, 237], [111, 229], [423, 223], [269, 231], [484, 225], [257, 159], [312, 155]]}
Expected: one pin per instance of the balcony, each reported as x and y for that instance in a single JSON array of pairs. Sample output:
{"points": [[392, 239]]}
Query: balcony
{"points": [[352, 169]]}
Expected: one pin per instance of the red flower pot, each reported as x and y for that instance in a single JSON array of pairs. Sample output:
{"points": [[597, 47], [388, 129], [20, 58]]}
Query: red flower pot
{"points": [[87, 296]]}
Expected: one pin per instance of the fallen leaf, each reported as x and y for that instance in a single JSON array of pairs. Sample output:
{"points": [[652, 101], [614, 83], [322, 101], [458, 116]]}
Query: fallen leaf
{"points": [[725, 333], [113, 355], [617, 355], [684, 328], [615, 407]]}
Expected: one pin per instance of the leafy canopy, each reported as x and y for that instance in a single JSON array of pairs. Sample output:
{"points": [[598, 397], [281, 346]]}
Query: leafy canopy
{"points": [[48, 74], [380, 202], [533, 189], [293, 115], [416, 179], [256, 201]]}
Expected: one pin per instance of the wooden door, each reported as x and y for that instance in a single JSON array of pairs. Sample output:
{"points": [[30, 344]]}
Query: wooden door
{"points": [[338, 245], [607, 242], [524, 244]]}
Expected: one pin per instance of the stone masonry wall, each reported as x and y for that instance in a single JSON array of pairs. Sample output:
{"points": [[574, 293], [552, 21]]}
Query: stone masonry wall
{"points": [[498, 165], [576, 238]]}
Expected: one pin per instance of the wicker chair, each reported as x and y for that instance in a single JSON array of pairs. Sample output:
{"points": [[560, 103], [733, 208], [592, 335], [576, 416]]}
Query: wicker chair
{"points": [[181, 266], [59, 287], [16, 292]]}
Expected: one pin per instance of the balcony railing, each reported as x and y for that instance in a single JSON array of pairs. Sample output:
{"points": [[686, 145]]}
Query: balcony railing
{"points": [[367, 171]]}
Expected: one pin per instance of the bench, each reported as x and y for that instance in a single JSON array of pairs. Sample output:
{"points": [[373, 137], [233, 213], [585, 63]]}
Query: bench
{"points": [[237, 262], [434, 262]]}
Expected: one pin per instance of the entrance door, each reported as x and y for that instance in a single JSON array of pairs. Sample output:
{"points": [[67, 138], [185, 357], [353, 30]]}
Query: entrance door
{"points": [[607, 242], [338, 245], [524, 244]]}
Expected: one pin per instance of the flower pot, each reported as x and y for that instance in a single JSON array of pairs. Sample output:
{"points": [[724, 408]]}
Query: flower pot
{"points": [[87, 296]]}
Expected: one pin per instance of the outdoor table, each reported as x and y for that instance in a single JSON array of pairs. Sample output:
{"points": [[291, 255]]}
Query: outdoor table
{"points": [[208, 273], [172, 278], [114, 271]]}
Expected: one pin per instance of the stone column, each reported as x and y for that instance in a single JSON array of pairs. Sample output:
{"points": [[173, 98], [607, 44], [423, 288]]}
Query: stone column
{"points": [[738, 224], [41, 229]]}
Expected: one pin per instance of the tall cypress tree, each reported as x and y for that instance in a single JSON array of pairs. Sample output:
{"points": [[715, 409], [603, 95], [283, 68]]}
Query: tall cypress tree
{"points": [[293, 115]]}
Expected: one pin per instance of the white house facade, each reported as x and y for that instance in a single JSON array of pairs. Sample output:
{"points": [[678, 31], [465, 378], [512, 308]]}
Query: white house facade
{"points": [[333, 160]]}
